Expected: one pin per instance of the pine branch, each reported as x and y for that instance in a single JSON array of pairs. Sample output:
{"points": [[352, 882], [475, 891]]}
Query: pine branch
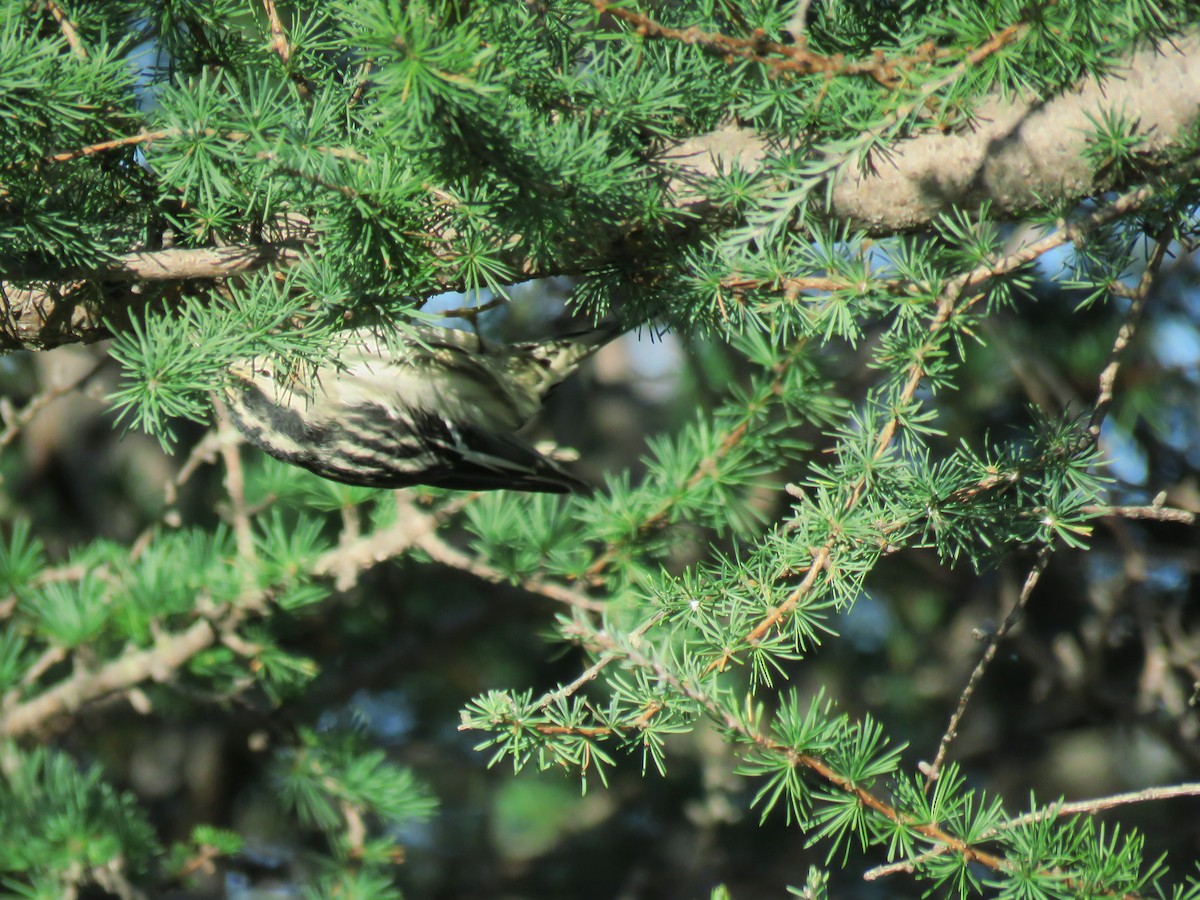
{"points": [[1104, 398], [1018, 156], [798, 59], [173, 651], [169, 653]]}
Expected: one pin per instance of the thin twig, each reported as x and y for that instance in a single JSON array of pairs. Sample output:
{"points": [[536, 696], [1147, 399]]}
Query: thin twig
{"points": [[1095, 805], [1014, 615], [228, 440], [14, 421], [1158, 513], [470, 312], [279, 43], [947, 308], [203, 453], [597, 667], [351, 534], [278, 38], [1104, 398], [1056, 811], [441, 552], [797, 58], [149, 137], [350, 559], [364, 72], [1138, 300], [67, 29], [144, 137]]}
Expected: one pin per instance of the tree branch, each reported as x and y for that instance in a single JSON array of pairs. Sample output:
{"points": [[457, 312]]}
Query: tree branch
{"points": [[1107, 380], [169, 653], [1018, 155]]}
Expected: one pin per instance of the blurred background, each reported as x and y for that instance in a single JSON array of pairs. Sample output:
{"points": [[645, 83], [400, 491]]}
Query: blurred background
{"points": [[1094, 693]]}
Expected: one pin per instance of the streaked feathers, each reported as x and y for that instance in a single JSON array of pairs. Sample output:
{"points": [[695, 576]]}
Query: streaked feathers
{"points": [[440, 410]]}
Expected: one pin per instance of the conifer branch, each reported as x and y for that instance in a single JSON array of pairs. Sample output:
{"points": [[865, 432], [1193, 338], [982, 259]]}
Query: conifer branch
{"points": [[958, 296], [708, 468], [798, 59], [1104, 398], [603, 643], [1016, 156], [173, 651], [169, 653]]}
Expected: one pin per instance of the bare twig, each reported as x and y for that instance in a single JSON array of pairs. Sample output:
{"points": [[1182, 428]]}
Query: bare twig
{"points": [[279, 43], [364, 72], [14, 421], [1014, 615], [1138, 299], [1157, 513], [470, 312], [1095, 805], [203, 453], [797, 25], [1057, 811], [278, 38], [235, 482], [144, 137]]}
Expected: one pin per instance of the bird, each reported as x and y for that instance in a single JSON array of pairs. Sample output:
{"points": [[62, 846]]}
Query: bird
{"points": [[433, 406]]}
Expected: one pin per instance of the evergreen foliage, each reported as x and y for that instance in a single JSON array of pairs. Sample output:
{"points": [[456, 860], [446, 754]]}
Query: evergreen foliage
{"points": [[211, 180]]}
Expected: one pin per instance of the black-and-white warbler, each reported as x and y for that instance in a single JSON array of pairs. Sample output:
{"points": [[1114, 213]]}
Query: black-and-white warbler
{"points": [[439, 408]]}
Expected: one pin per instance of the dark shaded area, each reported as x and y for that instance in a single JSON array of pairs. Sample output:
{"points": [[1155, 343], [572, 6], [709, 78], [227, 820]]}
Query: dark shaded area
{"points": [[1094, 693]]}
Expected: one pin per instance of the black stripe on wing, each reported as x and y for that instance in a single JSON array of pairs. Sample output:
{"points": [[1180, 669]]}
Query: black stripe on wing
{"points": [[479, 460]]}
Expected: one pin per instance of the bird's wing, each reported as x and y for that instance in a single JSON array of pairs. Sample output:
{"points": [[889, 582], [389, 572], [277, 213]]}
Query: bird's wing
{"points": [[479, 459]]}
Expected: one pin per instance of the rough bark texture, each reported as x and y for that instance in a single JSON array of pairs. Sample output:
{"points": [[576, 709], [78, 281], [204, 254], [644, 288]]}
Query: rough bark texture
{"points": [[1017, 156]]}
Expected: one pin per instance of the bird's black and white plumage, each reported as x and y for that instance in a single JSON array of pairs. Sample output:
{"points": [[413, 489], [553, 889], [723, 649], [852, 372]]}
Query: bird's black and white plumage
{"points": [[438, 408]]}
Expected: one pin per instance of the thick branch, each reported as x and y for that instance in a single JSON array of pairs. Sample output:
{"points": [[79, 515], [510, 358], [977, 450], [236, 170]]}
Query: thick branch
{"points": [[55, 312], [206, 262], [1017, 155]]}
